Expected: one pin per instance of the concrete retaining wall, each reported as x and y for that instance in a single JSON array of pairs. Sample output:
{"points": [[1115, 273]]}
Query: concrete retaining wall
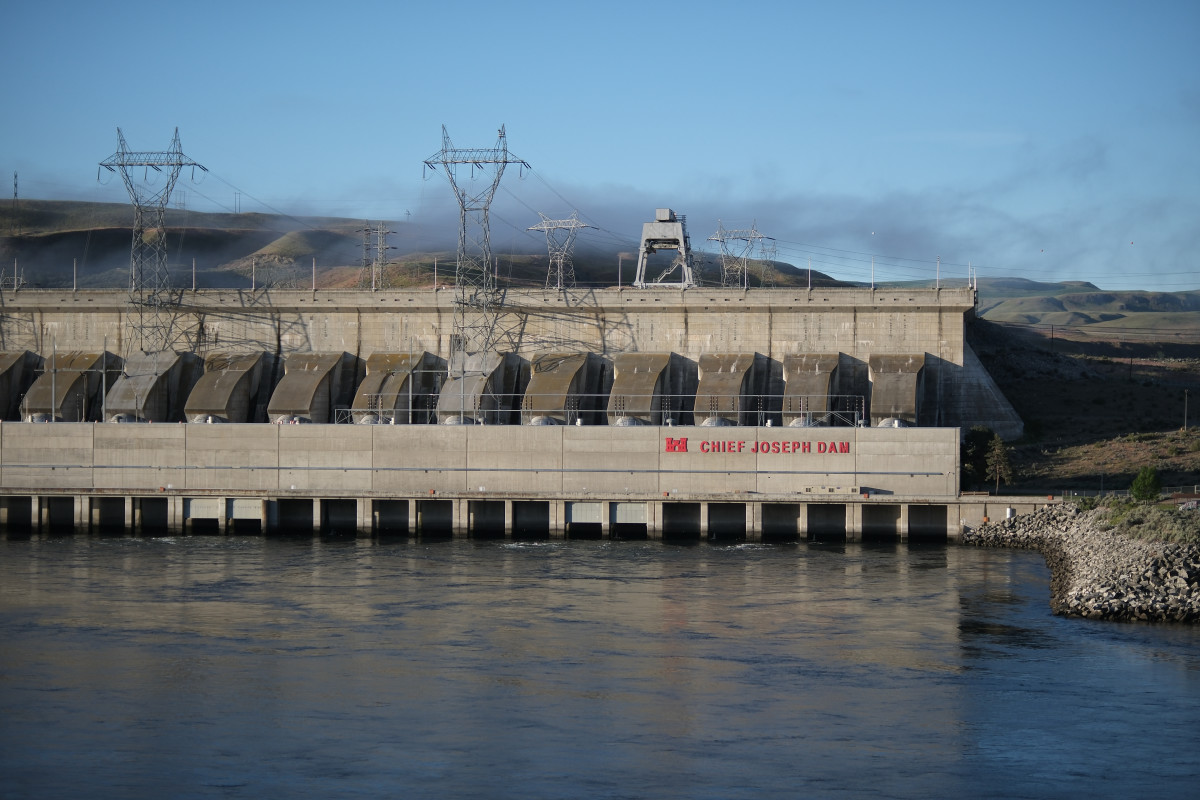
{"points": [[858, 324], [352, 460], [774, 322]]}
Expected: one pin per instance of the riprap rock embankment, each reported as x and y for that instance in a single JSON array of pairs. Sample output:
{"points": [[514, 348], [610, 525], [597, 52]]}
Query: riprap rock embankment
{"points": [[1101, 574]]}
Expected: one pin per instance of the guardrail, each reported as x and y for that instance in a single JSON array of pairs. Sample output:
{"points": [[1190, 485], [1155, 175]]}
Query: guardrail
{"points": [[746, 410]]}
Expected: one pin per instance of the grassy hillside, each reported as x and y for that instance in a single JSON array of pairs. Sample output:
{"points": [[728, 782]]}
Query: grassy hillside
{"points": [[1168, 318], [993, 290], [55, 242], [1094, 417], [1091, 307], [41, 217]]}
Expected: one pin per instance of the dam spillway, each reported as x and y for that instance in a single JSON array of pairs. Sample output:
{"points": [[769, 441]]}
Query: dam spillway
{"points": [[757, 365]]}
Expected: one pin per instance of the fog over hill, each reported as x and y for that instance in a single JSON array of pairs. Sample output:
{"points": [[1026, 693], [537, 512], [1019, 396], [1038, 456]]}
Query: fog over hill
{"points": [[55, 243]]}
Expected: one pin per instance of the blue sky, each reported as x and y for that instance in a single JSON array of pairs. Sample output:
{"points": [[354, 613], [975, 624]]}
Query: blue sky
{"points": [[1048, 140]]}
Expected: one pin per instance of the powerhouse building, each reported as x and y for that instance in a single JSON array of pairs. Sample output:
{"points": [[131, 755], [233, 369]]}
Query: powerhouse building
{"points": [[619, 411]]}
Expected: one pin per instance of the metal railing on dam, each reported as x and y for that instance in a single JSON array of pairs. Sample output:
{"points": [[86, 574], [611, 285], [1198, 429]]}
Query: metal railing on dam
{"points": [[607, 408]]}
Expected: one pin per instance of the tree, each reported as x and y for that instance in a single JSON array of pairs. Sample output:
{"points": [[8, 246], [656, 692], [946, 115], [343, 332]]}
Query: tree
{"points": [[974, 454], [997, 462], [1146, 486]]}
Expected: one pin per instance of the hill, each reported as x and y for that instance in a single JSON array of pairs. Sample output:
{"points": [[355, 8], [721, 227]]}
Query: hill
{"points": [[1114, 310], [1082, 311], [1094, 417], [55, 243]]}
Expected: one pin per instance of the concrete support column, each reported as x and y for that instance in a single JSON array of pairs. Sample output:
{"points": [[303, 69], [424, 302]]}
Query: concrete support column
{"points": [[558, 519], [316, 516], [175, 514], [704, 519], [411, 522], [956, 521], [264, 515], [605, 520], [461, 517], [81, 511], [131, 521], [854, 522], [754, 522], [654, 517], [365, 520], [508, 519], [903, 532], [802, 528]]}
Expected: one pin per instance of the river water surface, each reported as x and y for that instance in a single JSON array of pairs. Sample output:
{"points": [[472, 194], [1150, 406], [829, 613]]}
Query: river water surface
{"points": [[247, 667]]}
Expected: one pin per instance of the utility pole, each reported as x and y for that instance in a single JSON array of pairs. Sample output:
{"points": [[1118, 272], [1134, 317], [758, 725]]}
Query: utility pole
{"points": [[365, 262]]}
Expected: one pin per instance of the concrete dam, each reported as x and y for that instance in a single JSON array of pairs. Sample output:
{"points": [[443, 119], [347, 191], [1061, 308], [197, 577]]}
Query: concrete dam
{"points": [[611, 412]]}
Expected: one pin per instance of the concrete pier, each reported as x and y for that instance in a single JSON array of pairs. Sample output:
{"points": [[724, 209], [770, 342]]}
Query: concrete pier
{"points": [[439, 516]]}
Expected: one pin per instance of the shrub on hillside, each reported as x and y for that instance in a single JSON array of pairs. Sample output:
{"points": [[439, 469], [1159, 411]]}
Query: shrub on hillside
{"points": [[1146, 486], [1154, 523]]}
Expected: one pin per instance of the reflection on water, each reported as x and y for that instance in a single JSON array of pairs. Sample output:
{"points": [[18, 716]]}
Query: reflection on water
{"points": [[251, 667]]}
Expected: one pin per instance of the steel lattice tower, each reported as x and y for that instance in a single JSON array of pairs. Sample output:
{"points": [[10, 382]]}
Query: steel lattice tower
{"points": [[381, 248], [767, 253], [149, 279], [737, 246], [476, 299], [376, 263], [560, 241]]}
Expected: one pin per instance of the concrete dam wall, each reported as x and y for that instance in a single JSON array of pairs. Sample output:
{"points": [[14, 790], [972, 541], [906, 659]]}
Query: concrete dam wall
{"points": [[746, 413], [902, 351]]}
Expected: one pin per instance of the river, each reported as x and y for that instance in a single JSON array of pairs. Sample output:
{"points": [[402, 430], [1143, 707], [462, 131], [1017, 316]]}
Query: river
{"points": [[250, 667]]}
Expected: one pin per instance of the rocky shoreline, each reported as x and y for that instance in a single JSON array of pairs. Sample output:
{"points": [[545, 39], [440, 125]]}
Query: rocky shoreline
{"points": [[1101, 574]]}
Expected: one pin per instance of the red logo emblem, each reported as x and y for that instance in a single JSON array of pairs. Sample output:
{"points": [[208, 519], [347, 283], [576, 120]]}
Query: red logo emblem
{"points": [[676, 445]]}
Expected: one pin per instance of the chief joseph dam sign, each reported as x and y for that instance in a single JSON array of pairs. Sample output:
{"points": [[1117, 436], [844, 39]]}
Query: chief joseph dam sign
{"points": [[680, 445]]}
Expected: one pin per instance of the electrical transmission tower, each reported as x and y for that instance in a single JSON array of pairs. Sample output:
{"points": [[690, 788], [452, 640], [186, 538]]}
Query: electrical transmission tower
{"points": [[381, 248], [376, 262], [768, 253], [476, 298], [149, 279], [737, 249], [560, 241], [365, 230]]}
